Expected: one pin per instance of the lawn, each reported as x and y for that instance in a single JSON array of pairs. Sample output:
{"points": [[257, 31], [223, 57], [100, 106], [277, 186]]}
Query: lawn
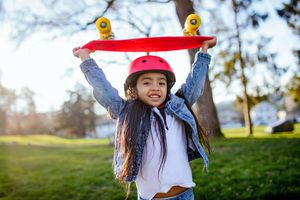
{"points": [[49, 167]]}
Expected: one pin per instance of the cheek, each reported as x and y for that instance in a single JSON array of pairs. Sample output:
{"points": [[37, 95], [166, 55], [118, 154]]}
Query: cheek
{"points": [[165, 92], [139, 91], [139, 87]]}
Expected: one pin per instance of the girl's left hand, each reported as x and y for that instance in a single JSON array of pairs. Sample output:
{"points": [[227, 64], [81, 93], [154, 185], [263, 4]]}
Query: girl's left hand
{"points": [[208, 44]]}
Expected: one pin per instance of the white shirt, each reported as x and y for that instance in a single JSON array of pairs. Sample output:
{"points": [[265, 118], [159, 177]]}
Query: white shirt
{"points": [[176, 170]]}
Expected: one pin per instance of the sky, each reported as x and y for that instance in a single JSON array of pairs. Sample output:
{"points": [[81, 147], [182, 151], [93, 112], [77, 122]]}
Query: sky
{"points": [[48, 67]]}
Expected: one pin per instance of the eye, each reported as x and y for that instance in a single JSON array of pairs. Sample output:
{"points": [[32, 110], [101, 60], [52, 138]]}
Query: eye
{"points": [[146, 83], [162, 83]]}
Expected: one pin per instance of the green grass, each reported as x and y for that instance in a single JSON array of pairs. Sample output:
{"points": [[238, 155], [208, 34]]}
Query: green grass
{"points": [[252, 169], [258, 132], [48, 140], [48, 167]]}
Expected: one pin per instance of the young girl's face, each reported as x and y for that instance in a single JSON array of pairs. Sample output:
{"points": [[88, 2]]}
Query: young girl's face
{"points": [[152, 88]]}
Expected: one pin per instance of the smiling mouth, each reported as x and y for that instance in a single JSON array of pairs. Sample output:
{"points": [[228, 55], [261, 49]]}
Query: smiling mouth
{"points": [[154, 97]]}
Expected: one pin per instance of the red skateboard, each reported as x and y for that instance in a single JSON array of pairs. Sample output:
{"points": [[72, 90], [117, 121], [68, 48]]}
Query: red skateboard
{"points": [[149, 44]]}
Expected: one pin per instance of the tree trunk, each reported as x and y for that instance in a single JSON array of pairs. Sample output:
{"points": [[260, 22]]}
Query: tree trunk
{"points": [[2, 122], [246, 109], [205, 108]]}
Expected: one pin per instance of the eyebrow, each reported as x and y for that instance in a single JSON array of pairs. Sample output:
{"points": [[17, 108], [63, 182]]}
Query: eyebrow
{"points": [[148, 78]]}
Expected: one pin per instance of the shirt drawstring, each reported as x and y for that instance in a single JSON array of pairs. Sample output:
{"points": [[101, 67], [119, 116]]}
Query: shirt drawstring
{"points": [[163, 114]]}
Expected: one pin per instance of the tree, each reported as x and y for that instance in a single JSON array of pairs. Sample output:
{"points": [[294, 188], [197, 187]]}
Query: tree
{"points": [[69, 21], [292, 97], [21, 119], [77, 114], [2, 121], [244, 53], [29, 120], [290, 12], [294, 88], [206, 109], [2, 10], [27, 95], [7, 101]]}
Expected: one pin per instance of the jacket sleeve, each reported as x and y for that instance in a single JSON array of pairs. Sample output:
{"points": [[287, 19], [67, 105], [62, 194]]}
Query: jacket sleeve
{"points": [[193, 87], [105, 94]]}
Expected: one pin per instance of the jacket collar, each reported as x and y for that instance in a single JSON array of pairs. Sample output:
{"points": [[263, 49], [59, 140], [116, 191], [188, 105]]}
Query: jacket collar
{"points": [[174, 104]]}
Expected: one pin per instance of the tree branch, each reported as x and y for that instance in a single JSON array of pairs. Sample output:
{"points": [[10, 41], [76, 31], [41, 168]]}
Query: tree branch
{"points": [[157, 1]]}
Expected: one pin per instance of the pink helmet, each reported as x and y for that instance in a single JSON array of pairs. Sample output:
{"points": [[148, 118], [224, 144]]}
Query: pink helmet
{"points": [[149, 63]]}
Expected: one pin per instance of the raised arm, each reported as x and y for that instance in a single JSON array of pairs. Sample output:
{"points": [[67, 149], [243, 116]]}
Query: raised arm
{"points": [[103, 91], [193, 87]]}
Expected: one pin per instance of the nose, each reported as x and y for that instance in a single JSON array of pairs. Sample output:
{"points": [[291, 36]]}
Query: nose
{"points": [[155, 87]]}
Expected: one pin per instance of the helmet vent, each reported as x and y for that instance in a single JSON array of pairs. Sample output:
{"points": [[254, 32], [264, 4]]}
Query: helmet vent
{"points": [[161, 61], [143, 61]]}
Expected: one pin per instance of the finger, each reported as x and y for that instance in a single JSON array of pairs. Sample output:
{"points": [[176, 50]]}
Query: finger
{"points": [[204, 47], [75, 49], [212, 42], [90, 51]]}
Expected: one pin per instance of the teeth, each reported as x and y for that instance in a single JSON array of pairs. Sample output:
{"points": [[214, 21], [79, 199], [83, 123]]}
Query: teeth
{"points": [[154, 96]]}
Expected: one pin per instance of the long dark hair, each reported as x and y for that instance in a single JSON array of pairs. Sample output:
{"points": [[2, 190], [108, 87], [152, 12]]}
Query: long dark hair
{"points": [[134, 110], [137, 114], [203, 135]]}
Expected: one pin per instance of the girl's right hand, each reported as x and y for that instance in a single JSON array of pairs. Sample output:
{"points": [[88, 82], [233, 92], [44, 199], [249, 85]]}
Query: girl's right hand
{"points": [[83, 54]]}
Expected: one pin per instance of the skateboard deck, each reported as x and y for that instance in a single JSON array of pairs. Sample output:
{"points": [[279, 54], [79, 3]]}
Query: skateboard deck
{"points": [[149, 44]]}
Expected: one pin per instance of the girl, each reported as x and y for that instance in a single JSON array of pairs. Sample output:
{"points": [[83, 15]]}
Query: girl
{"points": [[157, 133]]}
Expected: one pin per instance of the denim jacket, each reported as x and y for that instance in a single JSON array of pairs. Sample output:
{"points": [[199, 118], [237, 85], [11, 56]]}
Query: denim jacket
{"points": [[109, 98]]}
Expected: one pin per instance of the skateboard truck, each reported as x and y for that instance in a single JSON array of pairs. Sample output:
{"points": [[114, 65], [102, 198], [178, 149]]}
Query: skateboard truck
{"points": [[192, 24], [148, 44], [104, 28]]}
